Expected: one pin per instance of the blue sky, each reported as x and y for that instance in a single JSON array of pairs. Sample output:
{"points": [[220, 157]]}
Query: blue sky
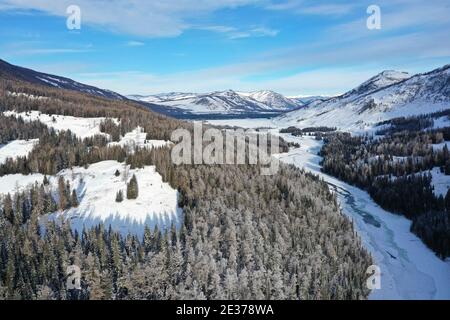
{"points": [[295, 47]]}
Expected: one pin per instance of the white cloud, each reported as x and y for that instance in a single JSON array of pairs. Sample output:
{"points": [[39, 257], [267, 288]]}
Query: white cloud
{"points": [[134, 43], [333, 76], [236, 33], [312, 7], [155, 18]]}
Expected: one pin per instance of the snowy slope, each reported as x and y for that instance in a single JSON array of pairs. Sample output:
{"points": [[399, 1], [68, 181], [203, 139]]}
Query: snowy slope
{"points": [[96, 188], [308, 100], [138, 138], [81, 127], [385, 96], [273, 100], [440, 182], [222, 102], [16, 148], [12, 183]]}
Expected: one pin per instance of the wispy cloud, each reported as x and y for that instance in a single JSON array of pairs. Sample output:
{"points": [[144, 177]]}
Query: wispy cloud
{"points": [[332, 73], [34, 48], [134, 43], [313, 7], [236, 33], [156, 18]]}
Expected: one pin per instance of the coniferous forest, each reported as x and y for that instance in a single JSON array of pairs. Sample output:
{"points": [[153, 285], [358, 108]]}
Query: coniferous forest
{"points": [[243, 235]]}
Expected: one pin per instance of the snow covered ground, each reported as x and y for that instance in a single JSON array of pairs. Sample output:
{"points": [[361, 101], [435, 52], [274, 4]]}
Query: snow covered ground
{"points": [[440, 182], [96, 187], [16, 148], [441, 122], [440, 146], [12, 183], [137, 138], [81, 127]]}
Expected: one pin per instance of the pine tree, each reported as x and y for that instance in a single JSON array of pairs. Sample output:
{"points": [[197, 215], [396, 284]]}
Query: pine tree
{"points": [[119, 196], [63, 201], [74, 199], [132, 188], [8, 208]]}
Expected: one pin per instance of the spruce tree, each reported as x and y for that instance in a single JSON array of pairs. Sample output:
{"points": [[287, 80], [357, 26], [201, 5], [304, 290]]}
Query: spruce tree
{"points": [[119, 196], [63, 201], [132, 188], [74, 199]]}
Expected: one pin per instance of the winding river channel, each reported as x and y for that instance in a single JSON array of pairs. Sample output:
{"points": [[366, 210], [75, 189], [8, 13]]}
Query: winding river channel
{"points": [[409, 270]]}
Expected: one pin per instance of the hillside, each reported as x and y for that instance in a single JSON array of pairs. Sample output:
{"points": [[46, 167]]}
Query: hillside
{"points": [[19, 73], [388, 95]]}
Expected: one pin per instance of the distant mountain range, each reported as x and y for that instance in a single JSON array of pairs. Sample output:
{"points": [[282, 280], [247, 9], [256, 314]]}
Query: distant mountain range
{"points": [[227, 102], [388, 95]]}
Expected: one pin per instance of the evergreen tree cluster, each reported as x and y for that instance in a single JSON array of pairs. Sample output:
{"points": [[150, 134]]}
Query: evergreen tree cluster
{"points": [[132, 188]]}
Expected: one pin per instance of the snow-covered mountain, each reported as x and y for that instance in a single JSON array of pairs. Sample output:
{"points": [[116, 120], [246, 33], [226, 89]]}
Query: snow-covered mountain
{"points": [[222, 102], [10, 71], [273, 100], [308, 100], [388, 95]]}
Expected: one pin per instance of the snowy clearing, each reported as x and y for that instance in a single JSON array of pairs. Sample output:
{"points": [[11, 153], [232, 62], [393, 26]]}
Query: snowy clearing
{"points": [[441, 122], [16, 148], [12, 183], [137, 138], [96, 187], [81, 127], [440, 182], [440, 146]]}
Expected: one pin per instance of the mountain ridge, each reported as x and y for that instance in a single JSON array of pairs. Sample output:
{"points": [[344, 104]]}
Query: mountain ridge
{"points": [[222, 102], [50, 80], [372, 101]]}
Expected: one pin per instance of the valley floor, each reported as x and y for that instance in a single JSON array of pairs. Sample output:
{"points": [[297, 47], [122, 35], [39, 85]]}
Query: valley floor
{"points": [[409, 270]]}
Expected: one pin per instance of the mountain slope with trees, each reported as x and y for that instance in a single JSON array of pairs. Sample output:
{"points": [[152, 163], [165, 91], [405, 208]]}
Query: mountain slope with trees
{"points": [[243, 236]]}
